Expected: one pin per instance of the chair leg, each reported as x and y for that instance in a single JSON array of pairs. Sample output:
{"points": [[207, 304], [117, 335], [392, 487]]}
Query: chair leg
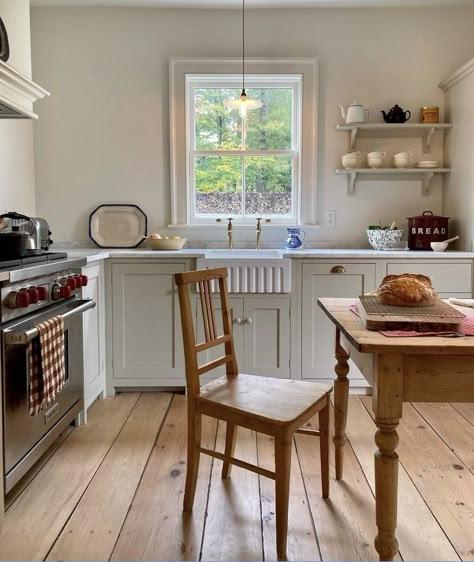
{"points": [[324, 448], [283, 447], [230, 436], [194, 443]]}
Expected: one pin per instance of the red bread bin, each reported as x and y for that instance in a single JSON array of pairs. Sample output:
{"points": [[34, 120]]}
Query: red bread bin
{"points": [[426, 228]]}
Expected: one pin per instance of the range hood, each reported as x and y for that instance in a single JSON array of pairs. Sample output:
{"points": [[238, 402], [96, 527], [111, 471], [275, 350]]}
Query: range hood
{"points": [[17, 94]]}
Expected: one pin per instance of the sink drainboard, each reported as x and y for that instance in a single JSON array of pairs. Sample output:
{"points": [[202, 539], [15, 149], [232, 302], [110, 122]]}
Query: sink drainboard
{"points": [[252, 275]]}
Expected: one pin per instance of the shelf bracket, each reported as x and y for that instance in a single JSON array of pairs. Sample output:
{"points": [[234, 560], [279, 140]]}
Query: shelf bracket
{"points": [[425, 189], [427, 139], [354, 132], [351, 178]]}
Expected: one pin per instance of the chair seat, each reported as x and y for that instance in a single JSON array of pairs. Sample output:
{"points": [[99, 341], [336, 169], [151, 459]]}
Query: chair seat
{"points": [[275, 401]]}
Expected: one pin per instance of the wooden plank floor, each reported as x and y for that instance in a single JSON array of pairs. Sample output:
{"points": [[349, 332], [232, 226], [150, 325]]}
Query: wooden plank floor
{"points": [[114, 489]]}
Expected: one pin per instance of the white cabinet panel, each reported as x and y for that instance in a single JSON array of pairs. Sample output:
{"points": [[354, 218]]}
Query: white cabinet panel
{"points": [[318, 333], [146, 324], [94, 335], [447, 278], [261, 328]]}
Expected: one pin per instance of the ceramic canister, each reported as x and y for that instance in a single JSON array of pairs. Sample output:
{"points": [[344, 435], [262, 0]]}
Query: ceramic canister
{"points": [[426, 228]]}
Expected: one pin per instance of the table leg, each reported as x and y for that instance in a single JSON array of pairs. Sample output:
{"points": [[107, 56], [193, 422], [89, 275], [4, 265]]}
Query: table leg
{"points": [[386, 488], [341, 397]]}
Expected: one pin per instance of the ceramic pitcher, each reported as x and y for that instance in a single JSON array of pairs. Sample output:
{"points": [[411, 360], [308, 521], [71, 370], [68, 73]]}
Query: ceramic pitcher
{"points": [[294, 240]]}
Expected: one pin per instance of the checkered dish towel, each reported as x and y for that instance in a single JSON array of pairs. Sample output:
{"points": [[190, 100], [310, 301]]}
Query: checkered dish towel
{"points": [[46, 367]]}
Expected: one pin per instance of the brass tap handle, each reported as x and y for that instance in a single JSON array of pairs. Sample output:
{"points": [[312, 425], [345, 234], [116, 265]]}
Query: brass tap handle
{"points": [[259, 231], [229, 232]]}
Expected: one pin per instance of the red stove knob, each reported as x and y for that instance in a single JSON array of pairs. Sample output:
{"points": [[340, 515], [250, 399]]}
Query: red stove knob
{"points": [[64, 292], [43, 293], [78, 281], [22, 299], [33, 294], [71, 282], [84, 280]]}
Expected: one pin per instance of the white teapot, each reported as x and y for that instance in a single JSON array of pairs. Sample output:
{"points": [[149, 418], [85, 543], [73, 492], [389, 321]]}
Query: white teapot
{"points": [[355, 113]]}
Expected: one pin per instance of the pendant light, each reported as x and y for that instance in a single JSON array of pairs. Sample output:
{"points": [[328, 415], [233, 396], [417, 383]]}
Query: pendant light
{"points": [[243, 104]]}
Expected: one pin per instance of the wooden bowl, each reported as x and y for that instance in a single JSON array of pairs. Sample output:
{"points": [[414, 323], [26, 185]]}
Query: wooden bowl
{"points": [[166, 244]]}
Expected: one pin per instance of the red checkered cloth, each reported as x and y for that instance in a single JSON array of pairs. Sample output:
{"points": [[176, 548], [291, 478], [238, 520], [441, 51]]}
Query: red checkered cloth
{"points": [[46, 364], [467, 328]]}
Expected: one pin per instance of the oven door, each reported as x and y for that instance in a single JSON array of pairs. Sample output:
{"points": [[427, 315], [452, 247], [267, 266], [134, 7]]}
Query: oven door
{"points": [[26, 437]]}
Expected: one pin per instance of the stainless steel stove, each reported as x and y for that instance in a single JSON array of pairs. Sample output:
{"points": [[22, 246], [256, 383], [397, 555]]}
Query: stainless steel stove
{"points": [[32, 290]]}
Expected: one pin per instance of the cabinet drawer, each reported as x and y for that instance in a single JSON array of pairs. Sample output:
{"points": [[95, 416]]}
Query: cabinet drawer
{"points": [[446, 277]]}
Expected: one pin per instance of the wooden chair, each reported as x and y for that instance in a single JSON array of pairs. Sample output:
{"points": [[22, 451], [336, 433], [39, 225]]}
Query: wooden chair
{"points": [[276, 407]]}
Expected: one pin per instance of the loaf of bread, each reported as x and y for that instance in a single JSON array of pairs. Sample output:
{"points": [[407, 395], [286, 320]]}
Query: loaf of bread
{"points": [[407, 289]]}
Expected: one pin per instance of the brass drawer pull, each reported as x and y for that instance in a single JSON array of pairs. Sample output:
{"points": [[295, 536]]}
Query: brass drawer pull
{"points": [[338, 269]]}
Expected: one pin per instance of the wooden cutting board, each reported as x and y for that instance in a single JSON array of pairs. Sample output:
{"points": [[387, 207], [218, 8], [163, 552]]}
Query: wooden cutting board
{"points": [[439, 317]]}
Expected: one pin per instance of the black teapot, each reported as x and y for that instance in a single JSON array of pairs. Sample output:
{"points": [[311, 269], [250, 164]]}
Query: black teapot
{"points": [[396, 115]]}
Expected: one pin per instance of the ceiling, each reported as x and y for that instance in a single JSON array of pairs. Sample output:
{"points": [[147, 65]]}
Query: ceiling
{"points": [[256, 3]]}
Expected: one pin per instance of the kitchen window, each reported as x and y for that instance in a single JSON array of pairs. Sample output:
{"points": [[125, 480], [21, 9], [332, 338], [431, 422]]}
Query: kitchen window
{"points": [[243, 167], [223, 165]]}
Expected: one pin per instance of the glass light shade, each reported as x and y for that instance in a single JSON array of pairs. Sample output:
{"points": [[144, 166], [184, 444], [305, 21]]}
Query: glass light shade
{"points": [[243, 104]]}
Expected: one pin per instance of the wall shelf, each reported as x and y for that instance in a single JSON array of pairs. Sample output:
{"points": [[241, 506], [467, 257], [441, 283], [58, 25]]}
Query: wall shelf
{"points": [[374, 130], [425, 175]]}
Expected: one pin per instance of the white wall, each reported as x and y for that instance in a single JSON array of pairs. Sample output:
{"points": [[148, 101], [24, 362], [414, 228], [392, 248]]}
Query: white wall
{"points": [[460, 153], [103, 135], [16, 136]]}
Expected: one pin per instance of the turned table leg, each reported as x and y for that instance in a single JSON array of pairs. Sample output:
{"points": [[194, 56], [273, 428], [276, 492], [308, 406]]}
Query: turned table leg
{"points": [[341, 397], [386, 488], [387, 402]]}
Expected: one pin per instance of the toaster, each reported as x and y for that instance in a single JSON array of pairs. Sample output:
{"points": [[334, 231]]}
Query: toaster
{"points": [[41, 233]]}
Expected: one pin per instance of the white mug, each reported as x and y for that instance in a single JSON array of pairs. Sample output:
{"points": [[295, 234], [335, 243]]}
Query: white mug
{"points": [[375, 162], [377, 154], [404, 155], [403, 159], [351, 160]]}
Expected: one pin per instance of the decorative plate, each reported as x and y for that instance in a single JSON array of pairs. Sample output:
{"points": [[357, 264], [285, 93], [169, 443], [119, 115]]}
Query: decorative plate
{"points": [[117, 226]]}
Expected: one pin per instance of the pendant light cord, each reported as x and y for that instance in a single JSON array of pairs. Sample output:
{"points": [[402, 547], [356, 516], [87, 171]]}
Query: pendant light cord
{"points": [[243, 45]]}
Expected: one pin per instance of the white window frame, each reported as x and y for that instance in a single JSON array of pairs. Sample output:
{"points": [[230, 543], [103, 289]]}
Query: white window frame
{"points": [[180, 68], [195, 81]]}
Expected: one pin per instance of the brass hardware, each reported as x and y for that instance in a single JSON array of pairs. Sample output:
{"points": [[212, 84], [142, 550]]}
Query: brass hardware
{"points": [[259, 231], [338, 269], [229, 232]]}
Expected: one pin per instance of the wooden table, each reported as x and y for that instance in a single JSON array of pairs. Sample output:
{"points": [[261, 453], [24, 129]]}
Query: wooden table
{"points": [[405, 369]]}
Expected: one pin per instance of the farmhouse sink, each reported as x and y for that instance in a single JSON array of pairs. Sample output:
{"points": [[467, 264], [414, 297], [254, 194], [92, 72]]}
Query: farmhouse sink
{"points": [[251, 271]]}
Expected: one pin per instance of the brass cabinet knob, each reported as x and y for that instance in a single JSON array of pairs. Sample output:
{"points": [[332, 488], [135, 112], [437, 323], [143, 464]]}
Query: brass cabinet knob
{"points": [[338, 269]]}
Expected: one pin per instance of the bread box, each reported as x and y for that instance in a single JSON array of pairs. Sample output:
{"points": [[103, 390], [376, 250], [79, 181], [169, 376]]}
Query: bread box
{"points": [[426, 228]]}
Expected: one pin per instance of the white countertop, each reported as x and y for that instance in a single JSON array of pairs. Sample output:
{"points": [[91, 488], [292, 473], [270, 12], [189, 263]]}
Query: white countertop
{"points": [[97, 254]]}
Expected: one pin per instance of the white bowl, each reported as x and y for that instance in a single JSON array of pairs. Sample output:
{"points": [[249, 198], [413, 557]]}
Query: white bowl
{"points": [[385, 239], [439, 246], [166, 244]]}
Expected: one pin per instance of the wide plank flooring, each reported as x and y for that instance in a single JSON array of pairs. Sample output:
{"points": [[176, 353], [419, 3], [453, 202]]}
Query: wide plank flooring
{"points": [[114, 488]]}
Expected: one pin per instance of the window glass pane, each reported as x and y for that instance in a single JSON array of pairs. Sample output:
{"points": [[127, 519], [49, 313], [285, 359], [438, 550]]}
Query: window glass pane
{"points": [[218, 185], [216, 126], [269, 127], [268, 185]]}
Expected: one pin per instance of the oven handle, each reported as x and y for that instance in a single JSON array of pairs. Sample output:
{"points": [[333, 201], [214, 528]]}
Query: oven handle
{"points": [[13, 337]]}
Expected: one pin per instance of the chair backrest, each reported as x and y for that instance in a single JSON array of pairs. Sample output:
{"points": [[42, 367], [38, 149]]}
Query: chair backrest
{"points": [[202, 278]]}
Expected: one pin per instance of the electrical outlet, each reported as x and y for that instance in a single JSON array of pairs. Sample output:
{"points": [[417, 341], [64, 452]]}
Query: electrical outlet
{"points": [[331, 218]]}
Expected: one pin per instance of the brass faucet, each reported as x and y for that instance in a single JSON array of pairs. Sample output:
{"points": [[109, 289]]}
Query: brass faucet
{"points": [[229, 232], [259, 232]]}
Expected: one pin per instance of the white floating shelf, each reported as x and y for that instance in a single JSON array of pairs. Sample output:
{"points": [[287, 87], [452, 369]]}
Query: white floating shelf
{"points": [[402, 130], [408, 173]]}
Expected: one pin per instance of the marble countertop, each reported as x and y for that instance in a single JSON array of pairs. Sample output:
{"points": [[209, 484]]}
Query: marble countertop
{"points": [[97, 254]]}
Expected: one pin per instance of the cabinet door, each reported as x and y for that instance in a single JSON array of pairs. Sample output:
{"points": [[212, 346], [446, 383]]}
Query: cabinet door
{"points": [[147, 340], [237, 311], [318, 333], [94, 335], [266, 329]]}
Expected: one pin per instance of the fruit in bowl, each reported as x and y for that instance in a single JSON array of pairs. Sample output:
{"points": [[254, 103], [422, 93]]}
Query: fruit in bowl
{"points": [[385, 238], [158, 242]]}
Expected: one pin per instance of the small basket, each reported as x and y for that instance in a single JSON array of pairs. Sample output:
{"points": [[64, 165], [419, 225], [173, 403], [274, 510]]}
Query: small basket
{"points": [[166, 244], [385, 239]]}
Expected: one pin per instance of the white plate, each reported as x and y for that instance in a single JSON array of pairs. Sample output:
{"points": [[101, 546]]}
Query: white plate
{"points": [[427, 166], [117, 226]]}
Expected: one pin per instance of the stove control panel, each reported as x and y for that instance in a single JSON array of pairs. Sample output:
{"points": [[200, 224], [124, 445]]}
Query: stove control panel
{"points": [[24, 298]]}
